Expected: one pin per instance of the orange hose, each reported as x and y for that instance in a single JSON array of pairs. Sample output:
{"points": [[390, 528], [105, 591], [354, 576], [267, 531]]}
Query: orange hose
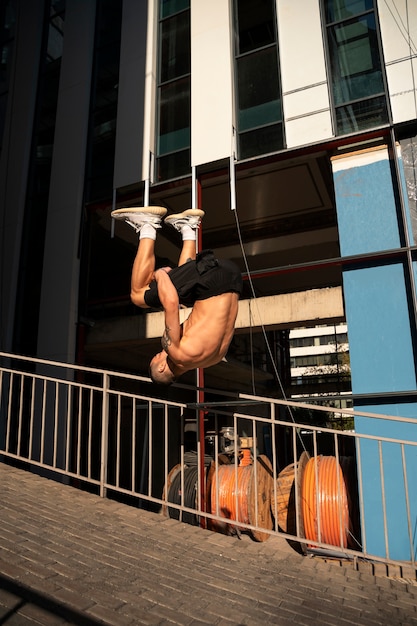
{"points": [[233, 495], [330, 496], [308, 498], [245, 458]]}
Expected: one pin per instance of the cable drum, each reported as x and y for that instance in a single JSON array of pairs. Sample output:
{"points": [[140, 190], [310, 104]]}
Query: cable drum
{"points": [[324, 496], [242, 494], [188, 499], [287, 492]]}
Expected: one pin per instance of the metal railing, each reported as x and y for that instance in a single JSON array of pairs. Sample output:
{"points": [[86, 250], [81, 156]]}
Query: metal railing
{"points": [[234, 464]]}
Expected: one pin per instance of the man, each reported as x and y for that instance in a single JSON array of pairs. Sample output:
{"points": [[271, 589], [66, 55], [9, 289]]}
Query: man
{"points": [[210, 286]]}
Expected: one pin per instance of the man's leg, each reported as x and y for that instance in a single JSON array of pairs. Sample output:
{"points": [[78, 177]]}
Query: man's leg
{"points": [[187, 223], [143, 265], [145, 221]]}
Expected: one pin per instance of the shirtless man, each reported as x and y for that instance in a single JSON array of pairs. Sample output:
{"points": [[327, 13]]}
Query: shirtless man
{"points": [[211, 287]]}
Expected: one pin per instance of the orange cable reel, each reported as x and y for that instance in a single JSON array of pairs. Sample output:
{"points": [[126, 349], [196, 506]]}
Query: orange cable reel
{"points": [[331, 497]]}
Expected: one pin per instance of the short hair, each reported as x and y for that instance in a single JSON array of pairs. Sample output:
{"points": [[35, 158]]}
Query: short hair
{"points": [[161, 378]]}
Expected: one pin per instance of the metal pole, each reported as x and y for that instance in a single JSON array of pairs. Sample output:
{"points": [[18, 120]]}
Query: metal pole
{"points": [[196, 203], [233, 173], [194, 187], [148, 181], [113, 208]]}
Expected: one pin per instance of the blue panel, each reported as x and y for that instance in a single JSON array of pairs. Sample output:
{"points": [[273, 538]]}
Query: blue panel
{"points": [[366, 209], [381, 354], [394, 467], [405, 191], [380, 345]]}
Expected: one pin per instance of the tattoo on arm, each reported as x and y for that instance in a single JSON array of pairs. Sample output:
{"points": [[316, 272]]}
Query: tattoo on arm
{"points": [[166, 339]]}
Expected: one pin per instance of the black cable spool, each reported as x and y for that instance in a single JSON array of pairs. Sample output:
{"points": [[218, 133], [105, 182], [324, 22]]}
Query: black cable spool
{"points": [[190, 495]]}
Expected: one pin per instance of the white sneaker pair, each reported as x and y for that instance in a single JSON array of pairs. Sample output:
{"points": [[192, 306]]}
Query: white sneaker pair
{"points": [[138, 216]]}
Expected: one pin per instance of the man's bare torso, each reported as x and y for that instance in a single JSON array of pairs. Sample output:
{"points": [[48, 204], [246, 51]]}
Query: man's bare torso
{"points": [[208, 330]]}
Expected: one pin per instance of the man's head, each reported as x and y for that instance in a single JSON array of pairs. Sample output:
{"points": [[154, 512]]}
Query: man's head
{"points": [[160, 370]]}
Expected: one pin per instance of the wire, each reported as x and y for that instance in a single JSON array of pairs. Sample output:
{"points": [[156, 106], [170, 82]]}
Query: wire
{"points": [[256, 303], [407, 35], [251, 350], [277, 376]]}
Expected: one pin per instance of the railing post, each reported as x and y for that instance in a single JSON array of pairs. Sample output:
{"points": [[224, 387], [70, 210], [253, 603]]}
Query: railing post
{"points": [[104, 436]]}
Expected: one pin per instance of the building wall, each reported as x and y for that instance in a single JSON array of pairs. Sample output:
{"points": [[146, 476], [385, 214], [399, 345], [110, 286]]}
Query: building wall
{"points": [[379, 312], [211, 82], [303, 70], [306, 100], [60, 277], [137, 61], [399, 36], [15, 156]]}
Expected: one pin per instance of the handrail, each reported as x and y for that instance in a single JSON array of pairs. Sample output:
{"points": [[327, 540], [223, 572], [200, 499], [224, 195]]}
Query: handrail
{"points": [[128, 443]]}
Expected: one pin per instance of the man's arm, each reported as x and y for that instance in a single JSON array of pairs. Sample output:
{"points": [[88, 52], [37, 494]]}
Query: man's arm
{"points": [[169, 299]]}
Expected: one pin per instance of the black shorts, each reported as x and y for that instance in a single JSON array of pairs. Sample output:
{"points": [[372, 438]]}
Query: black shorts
{"points": [[198, 280]]}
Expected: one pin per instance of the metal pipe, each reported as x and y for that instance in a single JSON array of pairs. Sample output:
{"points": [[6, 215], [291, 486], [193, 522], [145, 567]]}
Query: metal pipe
{"points": [[233, 173]]}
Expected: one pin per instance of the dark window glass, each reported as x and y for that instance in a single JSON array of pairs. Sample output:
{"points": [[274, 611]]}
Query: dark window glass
{"points": [[174, 92], [174, 122], [169, 7], [104, 92], [355, 63], [174, 165], [261, 141], [357, 78], [175, 59], [255, 27], [259, 101], [7, 42], [259, 109], [56, 31], [5, 63], [345, 9], [33, 234], [361, 115]]}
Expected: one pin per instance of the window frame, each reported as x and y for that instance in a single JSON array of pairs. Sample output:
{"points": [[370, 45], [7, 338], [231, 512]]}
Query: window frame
{"points": [[184, 151], [237, 55], [334, 108]]}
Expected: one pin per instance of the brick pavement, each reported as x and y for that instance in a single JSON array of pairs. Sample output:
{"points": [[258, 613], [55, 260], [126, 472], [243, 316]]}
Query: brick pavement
{"points": [[69, 557]]}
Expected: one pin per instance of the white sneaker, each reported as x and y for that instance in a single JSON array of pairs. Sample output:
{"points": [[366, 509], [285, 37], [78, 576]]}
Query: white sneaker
{"points": [[189, 217], [136, 217]]}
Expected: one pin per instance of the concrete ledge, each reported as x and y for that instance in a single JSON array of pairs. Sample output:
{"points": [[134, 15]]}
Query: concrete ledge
{"points": [[283, 311]]}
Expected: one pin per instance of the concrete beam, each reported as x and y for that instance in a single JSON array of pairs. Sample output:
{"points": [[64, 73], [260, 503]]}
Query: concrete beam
{"points": [[290, 310], [273, 312]]}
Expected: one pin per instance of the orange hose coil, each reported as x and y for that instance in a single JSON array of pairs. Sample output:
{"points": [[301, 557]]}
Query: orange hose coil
{"points": [[325, 495], [232, 493], [245, 458]]}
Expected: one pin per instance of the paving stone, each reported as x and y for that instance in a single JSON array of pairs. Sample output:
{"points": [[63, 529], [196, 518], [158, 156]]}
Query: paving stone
{"points": [[41, 616], [106, 563]]}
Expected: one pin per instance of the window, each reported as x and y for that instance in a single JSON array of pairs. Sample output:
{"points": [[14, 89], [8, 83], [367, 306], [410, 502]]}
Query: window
{"points": [[173, 155], [259, 110], [357, 79], [103, 108], [7, 41], [37, 192]]}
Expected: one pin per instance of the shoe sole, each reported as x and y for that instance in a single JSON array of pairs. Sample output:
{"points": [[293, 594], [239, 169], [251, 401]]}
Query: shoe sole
{"points": [[148, 210], [187, 212]]}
